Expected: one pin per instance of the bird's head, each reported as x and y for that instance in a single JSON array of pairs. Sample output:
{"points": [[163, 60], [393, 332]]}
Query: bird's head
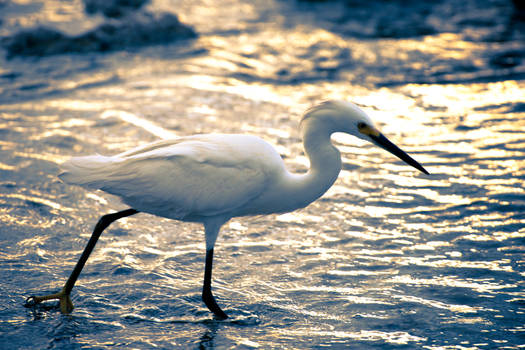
{"points": [[342, 116]]}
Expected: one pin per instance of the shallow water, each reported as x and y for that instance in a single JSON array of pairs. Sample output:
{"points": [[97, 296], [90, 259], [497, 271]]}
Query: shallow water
{"points": [[388, 258]]}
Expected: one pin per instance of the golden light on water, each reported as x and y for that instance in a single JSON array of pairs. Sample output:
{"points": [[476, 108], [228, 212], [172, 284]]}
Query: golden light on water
{"points": [[397, 338], [387, 257]]}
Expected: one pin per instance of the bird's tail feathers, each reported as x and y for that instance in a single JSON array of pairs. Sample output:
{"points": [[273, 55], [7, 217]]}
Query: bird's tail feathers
{"points": [[88, 171]]}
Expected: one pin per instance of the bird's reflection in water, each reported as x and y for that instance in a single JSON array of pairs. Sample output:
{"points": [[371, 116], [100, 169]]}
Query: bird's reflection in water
{"points": [[207, 340]]}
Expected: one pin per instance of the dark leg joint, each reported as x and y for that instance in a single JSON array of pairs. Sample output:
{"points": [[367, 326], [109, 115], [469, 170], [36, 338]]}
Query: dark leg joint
{"points": [[107, 219]]}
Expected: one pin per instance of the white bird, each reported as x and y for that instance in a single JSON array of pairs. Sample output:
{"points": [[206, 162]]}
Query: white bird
{"points": [[212, 178]]}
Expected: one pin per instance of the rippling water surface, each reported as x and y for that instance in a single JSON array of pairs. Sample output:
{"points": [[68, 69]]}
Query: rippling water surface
{"points": [[388, 258]]}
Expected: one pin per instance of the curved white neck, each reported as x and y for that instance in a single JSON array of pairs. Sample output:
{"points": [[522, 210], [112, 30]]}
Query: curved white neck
{"points": [[325, 165]]}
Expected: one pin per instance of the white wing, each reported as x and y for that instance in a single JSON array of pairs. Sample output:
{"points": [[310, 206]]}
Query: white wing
{"points": [[196, 176]]}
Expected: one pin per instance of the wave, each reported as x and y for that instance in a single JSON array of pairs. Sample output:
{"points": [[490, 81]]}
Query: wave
{"points": [[134, 30]]}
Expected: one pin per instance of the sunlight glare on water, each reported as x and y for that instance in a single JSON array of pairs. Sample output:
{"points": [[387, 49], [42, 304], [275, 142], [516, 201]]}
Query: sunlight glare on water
{"points": [[387, 258]]}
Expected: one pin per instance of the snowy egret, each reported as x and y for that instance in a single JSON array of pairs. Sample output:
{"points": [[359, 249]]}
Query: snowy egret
{"points": [[212, 178]]}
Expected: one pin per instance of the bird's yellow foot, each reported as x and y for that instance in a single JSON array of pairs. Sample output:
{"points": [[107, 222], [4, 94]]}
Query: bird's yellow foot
{"points": [[66, 305]]}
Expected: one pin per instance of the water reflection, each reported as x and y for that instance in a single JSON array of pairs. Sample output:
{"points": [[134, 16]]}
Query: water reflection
{"points": [[207, 340], [384, 259]]}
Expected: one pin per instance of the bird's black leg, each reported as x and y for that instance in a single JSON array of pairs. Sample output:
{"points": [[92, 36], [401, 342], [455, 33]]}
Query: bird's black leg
{"points": [[207, 296], [66, 306]]}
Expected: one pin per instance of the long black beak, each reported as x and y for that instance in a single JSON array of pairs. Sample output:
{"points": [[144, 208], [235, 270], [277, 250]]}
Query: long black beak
{"points": [[384, 143]]}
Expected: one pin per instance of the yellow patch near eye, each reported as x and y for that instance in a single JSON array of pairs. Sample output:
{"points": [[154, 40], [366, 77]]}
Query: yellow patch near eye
{"points": [[367, 130]]}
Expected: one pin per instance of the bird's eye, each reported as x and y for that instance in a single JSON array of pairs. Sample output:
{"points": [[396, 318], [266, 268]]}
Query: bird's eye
{"points": [[361, 125]]}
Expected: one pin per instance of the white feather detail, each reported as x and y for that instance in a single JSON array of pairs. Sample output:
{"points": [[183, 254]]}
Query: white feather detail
{"points": [[203, 175]]}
